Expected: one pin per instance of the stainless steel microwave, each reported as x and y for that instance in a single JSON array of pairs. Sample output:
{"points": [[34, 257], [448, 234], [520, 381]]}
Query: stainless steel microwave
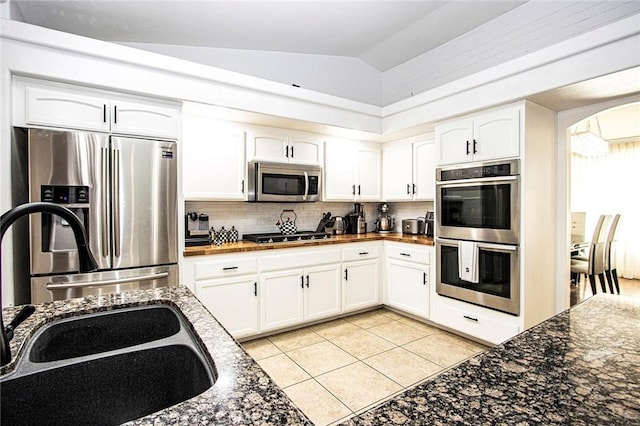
{"points": [[283, 182]]}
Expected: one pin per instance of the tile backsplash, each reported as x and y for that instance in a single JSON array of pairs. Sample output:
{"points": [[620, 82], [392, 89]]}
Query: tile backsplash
{"points": [[250, 218]]}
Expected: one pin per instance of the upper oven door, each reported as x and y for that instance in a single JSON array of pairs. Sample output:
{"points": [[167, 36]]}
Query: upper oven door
{"points": [[484, 209]]}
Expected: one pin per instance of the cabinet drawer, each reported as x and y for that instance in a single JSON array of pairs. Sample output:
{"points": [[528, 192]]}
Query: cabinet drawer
{"points": [[226, 268], [470, 322], [298, 258], [361, 252], [408, 253]]}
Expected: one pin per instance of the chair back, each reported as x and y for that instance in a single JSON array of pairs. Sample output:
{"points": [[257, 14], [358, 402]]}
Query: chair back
{"points": [[610, 247], [598, 245]]}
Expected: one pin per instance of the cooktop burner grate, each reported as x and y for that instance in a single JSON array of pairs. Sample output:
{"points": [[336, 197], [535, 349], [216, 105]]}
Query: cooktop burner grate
{"points": [[276, 237]]}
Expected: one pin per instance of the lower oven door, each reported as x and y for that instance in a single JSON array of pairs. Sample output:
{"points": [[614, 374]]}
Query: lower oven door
{"points": [[498, 285]]}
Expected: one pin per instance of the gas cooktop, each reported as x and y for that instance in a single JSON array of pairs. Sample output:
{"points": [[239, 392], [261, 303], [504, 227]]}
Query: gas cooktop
{"points": [[276, 237]]}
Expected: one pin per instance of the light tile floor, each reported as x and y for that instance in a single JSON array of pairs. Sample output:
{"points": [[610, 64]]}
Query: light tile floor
{"points": [[340, 368]]}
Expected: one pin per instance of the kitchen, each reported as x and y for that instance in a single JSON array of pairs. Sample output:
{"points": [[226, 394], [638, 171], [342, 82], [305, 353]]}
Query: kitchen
{"points": [[197, 91]]}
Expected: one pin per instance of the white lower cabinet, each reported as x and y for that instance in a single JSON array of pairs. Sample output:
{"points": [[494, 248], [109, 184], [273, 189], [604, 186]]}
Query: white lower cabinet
{"points": [[485, 324], [360, 276], [227, 285], [281, 299], [233, 301], [408, 276], [292, 291]]}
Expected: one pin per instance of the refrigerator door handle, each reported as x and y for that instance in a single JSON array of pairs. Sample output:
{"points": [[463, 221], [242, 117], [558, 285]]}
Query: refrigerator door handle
{"points": [[116, 202], [105, 200], [64, 286]]}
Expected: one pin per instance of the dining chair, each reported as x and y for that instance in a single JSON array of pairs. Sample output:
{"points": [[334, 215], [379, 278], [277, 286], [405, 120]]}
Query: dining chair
{"points": [[610, 255], [594, 263]]}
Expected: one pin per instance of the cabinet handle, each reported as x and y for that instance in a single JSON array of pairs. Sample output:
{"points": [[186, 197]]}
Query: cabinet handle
{"points": [[229, 268], [405, 254], [471, 318], [408, 189], [468, 152], [291, 152], [302, 282], [362, 253], [307, 281], [358, 189], [353, 189], [115, 114], [255, 289], [424, 278], [346, 274], [414, 188], [104, 113], [475, 146], [242, 186], [287, 154]]}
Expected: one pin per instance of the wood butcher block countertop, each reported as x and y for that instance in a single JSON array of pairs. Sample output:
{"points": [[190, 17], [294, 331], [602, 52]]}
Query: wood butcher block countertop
{"points": [[247, 246]]}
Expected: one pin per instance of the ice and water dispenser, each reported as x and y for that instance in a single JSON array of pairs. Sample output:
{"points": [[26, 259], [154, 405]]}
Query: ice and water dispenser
{"points": [[57, 234]]}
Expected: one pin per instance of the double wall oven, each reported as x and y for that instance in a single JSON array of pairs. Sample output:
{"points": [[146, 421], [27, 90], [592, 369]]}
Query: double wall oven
{"points": [[478, 234]]}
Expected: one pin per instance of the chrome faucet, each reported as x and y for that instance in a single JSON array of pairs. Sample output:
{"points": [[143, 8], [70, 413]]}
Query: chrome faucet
{"points": [[87, 262]]}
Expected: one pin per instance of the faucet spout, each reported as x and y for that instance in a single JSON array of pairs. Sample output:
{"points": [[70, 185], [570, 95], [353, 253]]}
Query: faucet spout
{"points": [[86, 259]]}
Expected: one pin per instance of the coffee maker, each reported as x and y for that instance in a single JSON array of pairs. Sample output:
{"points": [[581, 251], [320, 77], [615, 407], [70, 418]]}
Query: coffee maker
{"points": [[429, 217], [385, 222], [356, 223]]}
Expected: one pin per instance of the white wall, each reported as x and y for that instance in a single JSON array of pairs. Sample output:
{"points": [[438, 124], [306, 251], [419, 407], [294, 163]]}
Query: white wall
{"points": [[346, 77]]}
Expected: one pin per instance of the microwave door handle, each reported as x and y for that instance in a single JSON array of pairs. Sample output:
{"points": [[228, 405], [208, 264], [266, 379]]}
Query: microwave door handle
{"points": [[306, 186]]}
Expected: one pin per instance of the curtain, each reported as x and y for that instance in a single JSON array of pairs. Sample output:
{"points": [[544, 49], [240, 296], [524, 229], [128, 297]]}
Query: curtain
{"points": [[610, 184]]}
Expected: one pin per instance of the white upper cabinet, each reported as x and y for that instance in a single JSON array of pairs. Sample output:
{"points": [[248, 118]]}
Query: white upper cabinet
{"points": [[213, 156], [488, 136], [352, 171], [39, 103], [265, 144], [408, 170]]}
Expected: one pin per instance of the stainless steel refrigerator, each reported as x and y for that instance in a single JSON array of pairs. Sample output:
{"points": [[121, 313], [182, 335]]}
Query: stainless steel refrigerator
{"points": [[125, 192]]}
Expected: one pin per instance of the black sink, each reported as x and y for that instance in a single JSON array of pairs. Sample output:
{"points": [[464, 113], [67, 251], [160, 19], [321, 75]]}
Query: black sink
{"points": [[105, 391], [102, 332], [106, 369]]}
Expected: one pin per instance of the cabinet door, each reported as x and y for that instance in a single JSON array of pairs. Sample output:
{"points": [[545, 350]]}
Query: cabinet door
{"points": [[359, 284], [368, 184], [267, 146], [145, 118], [213, 160], [497, 135], [304, 151], [233, 301], [397, 179], [424, 170], [408, 287], [338, 171], [281, 299], [322, 291], [60, 108], [454, 142]]}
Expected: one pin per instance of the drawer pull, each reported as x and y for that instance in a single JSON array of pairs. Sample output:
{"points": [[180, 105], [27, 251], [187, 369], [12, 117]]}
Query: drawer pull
{"points": [[405, 254], [229, 268], [471, 318], [362, 253]]}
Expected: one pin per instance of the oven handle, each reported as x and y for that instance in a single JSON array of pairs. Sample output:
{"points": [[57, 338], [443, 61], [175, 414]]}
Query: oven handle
{"points": [[481, 245], [478, 180], [64, 286]]}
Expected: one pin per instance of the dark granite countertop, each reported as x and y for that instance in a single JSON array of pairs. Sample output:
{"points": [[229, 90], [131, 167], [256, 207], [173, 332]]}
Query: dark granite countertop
{"points": [[243, 393], [581, 367]]}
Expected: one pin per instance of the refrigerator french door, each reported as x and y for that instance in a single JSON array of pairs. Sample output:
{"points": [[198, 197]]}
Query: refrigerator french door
{"points": [[124, 191]]}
